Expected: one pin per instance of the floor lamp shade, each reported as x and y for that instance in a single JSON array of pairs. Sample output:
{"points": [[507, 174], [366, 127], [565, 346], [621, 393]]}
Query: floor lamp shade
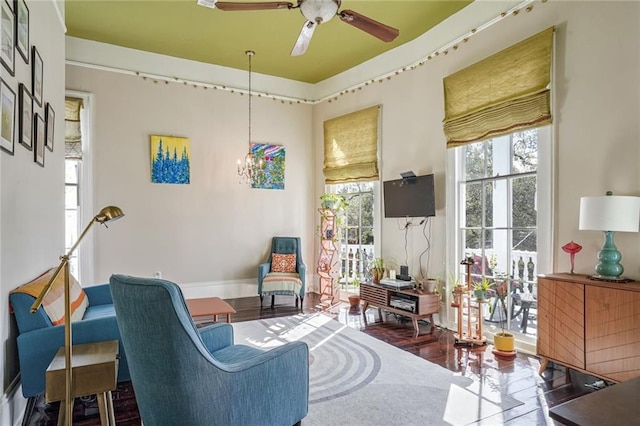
{"points": [[610, 214]]}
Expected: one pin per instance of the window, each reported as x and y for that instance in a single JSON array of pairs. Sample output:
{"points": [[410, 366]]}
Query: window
{"points": [[78, 183], [357, 239], [502, 208]]}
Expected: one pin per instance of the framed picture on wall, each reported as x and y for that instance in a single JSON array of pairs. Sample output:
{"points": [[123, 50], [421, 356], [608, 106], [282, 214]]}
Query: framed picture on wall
{"points": [[50, 118], [22, 29], [25, 122], [39, 142], [37, 75], [7, 36], [7, 117]]}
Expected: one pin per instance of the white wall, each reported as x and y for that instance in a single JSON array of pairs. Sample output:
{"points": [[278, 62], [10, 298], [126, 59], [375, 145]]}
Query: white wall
{"points": [[31, 197], [214, 229], [597, 89]]}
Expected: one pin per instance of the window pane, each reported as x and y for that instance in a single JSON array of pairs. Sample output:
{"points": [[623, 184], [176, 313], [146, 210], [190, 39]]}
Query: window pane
{"points": [[488, 204], [524, 241], [497, 250], [474, 161], [524, 202], [71, 228], [71, 197], [473, 205], [472, 240], [71, 171], [525, 151]]}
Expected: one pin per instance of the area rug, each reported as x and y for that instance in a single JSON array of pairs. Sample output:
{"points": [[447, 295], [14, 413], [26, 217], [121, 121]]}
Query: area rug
{"points": [[356, 379]]}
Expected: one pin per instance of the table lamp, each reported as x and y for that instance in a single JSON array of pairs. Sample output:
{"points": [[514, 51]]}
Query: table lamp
{"points": [[609, 213], [105, 215]]}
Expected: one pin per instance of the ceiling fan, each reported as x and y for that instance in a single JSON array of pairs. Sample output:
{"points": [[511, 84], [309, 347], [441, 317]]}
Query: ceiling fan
{"points": [[316, 12]]}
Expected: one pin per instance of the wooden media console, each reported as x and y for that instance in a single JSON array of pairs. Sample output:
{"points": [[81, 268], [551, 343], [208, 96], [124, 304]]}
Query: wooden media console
{"points": [[419, 305]]}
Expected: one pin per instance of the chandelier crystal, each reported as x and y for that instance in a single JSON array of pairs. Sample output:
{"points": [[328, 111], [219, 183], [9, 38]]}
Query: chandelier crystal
{"points": [[252, 168]]}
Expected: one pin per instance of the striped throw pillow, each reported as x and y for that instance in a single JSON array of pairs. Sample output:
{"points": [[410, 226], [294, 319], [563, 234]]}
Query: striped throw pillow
{"points": [[53, 303]]}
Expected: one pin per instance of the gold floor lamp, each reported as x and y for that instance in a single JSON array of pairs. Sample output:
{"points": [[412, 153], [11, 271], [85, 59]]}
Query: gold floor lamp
{"points": [[105, 215]]}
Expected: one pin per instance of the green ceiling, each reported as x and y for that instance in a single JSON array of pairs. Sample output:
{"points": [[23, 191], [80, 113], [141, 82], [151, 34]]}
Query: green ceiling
{"points": [[183, 29]]}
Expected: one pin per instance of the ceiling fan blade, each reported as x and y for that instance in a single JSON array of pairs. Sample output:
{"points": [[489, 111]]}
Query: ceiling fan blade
{"points": [[375, 28], [239, 6], [304, 38]]}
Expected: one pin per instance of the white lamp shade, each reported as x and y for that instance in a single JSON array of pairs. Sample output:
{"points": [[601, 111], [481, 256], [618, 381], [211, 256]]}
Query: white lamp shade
{"points": [[610, 213]]}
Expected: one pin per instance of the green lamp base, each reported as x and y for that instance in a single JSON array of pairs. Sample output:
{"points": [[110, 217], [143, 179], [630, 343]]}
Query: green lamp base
{"points": [[609, 267]]}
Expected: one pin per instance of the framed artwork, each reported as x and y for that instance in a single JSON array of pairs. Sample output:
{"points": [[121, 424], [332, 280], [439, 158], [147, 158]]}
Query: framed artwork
{"points": [[25, 122], [22, 29], [7, 117], [37, 75], [7, 36], [50, 118], [272, 176], [170, 160], [39, 142]]}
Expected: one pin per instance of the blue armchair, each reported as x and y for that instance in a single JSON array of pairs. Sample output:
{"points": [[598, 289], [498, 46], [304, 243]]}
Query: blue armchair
{"points": [[39, 340], [188, 376], [283, 284]]}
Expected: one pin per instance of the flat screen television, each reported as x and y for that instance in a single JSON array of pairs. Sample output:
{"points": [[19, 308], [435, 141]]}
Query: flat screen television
{"points": [[409, 197]]}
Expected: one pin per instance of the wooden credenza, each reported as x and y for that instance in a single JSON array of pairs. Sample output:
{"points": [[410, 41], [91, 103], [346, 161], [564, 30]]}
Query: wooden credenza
{"points": [[426, 304], [591, 326]]}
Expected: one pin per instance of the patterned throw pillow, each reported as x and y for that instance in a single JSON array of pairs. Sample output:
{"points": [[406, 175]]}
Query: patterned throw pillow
{"points": [[283, 262], [53, 303]]}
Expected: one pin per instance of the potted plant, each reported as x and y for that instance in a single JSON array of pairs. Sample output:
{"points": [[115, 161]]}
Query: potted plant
{"points": [[377, 269], [334, 202], [481, 288], [504, 342]]}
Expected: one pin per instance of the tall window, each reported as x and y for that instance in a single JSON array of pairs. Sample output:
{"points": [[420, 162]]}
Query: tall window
{"points": [[498, 205], [357, 242], [78, 195]]}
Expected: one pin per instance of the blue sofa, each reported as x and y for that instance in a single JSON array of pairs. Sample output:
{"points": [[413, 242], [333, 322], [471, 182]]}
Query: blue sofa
{"points": [[39, 339]]}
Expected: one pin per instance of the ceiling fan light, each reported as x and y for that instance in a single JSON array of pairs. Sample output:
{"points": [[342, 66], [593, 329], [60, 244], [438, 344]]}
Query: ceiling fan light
{"points": [[319, 10], [208, 3]]}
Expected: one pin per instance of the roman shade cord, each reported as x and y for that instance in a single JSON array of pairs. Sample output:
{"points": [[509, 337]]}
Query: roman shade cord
{"points": [[503, 93], [351, 147], [526, 6]]}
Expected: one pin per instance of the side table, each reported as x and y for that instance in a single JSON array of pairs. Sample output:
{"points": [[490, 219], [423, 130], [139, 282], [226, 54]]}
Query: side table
{"points": [[210, 306], [94, 371]]}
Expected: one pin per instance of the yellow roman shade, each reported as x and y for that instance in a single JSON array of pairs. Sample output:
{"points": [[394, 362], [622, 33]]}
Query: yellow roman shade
{"points": [[351, 147], [72, 132], [501, 94]]}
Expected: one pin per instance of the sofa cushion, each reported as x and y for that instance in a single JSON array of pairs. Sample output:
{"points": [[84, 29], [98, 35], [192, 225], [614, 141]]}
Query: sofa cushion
{"points": [[99, 311], [283, 262], [53, 303]]}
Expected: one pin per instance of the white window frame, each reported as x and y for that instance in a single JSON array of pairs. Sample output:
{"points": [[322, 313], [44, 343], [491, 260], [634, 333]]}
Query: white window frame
{"points": [[545, 232], [377, 216]]}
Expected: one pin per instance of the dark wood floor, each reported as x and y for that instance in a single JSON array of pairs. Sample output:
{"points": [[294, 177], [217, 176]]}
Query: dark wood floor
{"points": [[518, 378]]}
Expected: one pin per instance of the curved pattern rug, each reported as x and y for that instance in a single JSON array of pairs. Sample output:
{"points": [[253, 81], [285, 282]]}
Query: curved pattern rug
{"points": [[356, 379]]}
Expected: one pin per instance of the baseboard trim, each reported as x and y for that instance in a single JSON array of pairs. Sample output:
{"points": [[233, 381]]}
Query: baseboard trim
{"points": [[13, 404], [227, 289]]}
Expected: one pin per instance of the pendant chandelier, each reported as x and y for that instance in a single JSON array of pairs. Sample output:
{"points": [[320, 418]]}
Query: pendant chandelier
{"points": [[251, 169]]}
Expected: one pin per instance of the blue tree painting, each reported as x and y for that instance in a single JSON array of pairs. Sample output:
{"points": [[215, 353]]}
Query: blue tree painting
{"points": [[273, 169], [170, 160]]}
